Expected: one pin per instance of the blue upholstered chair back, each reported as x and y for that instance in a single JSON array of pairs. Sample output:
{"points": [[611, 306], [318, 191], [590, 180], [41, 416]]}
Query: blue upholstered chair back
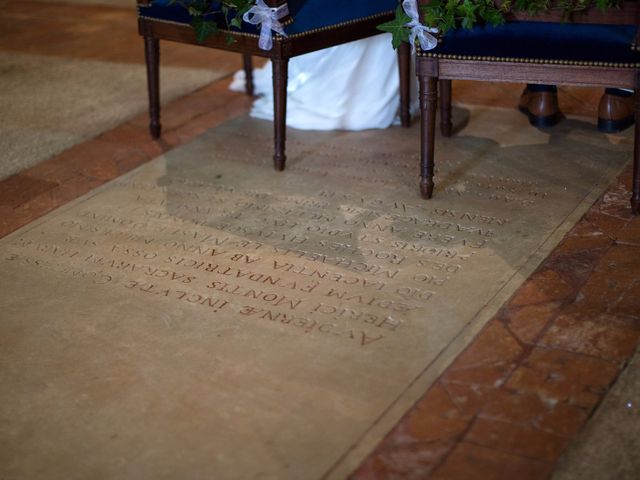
{"points": [[609, 39], [308, 15]]}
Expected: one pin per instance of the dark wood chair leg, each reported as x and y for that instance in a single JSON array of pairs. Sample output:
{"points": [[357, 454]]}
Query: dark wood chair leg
{"points": [[446, 126], [428, 101], [247, 65], [404, 66], [152, 58], [280, 78], [635, 189]]}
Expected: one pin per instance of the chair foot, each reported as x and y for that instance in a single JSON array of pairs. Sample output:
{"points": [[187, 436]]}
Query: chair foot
{"points": [[426, 188], [279, 162], [155, 129]]}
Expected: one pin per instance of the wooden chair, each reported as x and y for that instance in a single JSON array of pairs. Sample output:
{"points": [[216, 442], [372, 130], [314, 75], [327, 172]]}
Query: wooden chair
{"points": [[312, 25], [594, 49]]}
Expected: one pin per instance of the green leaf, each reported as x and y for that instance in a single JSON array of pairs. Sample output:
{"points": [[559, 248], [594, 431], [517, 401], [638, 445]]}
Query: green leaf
{"points": [[397, 28], [203, 28], [236, 22]]}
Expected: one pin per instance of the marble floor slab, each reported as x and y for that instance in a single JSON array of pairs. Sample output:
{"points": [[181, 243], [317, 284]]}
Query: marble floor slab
{"points": [[608, 447], [205, 316]]}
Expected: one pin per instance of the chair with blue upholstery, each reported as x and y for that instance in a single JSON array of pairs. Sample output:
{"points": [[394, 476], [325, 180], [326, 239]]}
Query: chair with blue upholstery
{"points": [[595, 49], [308, 25]]}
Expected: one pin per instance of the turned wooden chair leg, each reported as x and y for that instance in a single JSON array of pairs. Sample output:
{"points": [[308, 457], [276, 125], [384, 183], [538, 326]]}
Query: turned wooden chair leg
{"points": [[152, 58], [247, 65], [635, 188], [446, 126], [280, 78], [404, 66], [428, 97]]}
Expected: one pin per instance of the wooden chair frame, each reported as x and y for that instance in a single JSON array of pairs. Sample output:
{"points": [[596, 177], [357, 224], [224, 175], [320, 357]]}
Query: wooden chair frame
{"points": [[284, 48], [432, 71]]}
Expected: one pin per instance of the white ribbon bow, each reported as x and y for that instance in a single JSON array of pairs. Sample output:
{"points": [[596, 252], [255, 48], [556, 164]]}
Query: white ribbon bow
{"points": [[268, 19], [419, 31]]}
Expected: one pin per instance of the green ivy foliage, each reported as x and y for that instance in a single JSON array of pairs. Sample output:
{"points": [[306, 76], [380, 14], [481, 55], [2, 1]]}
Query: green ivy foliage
{"points": [[202, 12]]}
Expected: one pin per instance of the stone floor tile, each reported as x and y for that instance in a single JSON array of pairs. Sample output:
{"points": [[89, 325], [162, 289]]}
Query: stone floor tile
{"points": [[407, 462], [469, 397], [92, 158], [606, 293], [18, 189], [11, 219], [621, 261], [488, 360], [435, 418], [135, 137], [603, 336], [607, 448], [516, 439], [543, 286], [584, 238], [615, 201], [575, 268], [529, 409], [560, 376], [474, 462], [630, 233], [609, 225], [527, 322], [210, 98]]}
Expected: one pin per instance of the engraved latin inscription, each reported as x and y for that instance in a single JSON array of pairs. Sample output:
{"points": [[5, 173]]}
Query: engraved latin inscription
{"points": [[348, 271]]}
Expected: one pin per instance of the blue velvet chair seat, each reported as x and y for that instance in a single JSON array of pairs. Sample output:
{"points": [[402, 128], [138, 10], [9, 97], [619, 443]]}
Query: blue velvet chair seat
{"points": [[308, 15], [541, 42]]}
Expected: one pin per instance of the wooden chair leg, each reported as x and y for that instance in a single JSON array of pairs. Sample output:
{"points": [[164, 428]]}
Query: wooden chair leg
{"points": [[428, 101], [152, 58], [446, 126], [404, 66], [247, 65], [635, 189], [280, 78]]}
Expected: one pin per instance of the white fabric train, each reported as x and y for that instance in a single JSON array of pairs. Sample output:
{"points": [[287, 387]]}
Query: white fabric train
{"points": [[354, 86]]}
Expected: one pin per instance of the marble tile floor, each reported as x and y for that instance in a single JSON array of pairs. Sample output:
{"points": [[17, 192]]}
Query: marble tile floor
{"points": [[525, 390]]}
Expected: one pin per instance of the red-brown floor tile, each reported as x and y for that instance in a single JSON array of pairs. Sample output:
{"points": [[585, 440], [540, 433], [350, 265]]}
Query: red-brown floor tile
{"points": [[559, 376], [543, 286], [18, 189], [604, 336], [531, 410], [435, 418], [488, 360], [630, 233], [621, 261], [404, 462], [469, 397], [606, 293], [516, 439], [527, 322], [615, 201], [473, 462]]}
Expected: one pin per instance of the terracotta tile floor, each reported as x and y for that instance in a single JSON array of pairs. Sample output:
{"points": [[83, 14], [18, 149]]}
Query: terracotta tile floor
{"points": [[510, 404]]}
